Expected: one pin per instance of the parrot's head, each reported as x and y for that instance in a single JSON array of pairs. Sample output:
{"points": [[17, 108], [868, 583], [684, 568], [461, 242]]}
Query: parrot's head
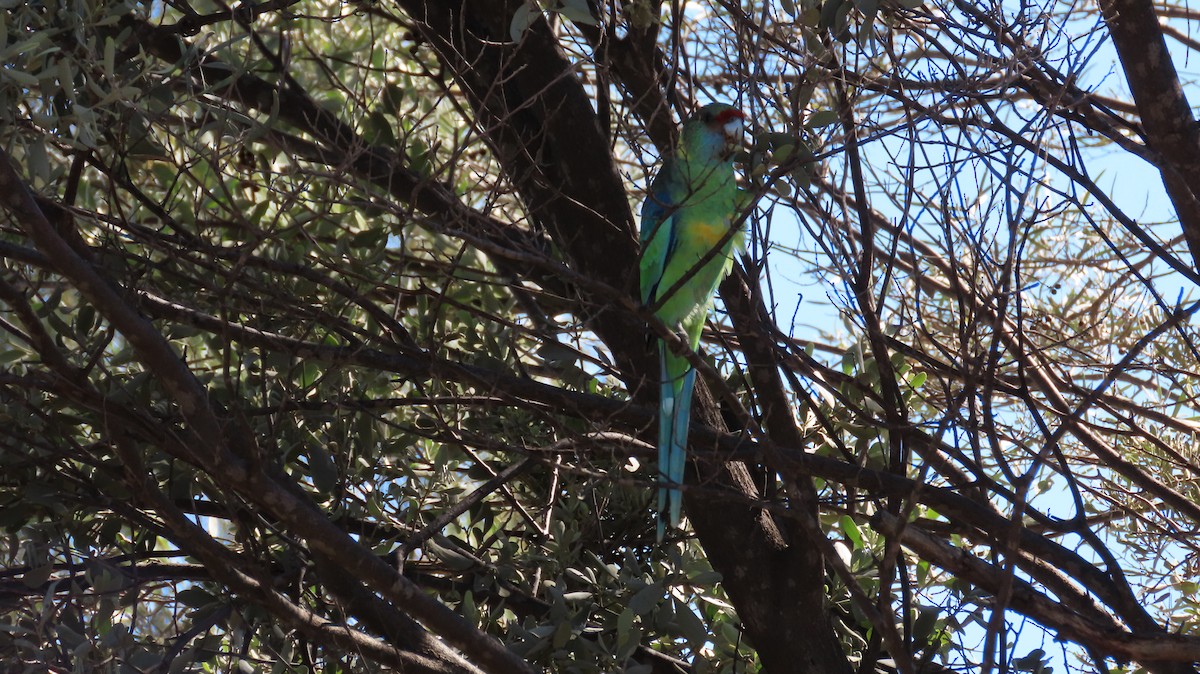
{"points": [[715, 129]]}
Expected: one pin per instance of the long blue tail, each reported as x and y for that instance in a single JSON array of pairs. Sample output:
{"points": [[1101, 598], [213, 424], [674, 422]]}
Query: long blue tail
{"points": [[674, 413]]}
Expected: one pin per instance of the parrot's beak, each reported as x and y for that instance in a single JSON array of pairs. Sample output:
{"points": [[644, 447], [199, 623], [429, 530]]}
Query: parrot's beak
{"points": [[733, 128], [734, 136]]}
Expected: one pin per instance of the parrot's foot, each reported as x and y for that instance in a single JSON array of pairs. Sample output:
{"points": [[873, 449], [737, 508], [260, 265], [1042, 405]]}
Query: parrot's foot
{"points": [[681, 335]]}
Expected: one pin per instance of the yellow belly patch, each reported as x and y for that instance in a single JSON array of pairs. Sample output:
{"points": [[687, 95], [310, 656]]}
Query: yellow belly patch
{"points": [[707, 234]]}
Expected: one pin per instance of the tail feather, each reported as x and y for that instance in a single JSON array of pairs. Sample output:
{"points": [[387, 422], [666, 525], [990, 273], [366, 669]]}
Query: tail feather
{"points": [[666, 410], [680, 420], [675, 408]]}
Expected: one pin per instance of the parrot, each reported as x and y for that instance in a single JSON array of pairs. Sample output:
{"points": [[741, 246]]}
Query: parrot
{"points": [[689, 210]]}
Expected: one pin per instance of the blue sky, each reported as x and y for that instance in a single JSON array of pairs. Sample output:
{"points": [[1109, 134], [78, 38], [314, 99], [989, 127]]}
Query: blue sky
{"points": [[816, 300]]}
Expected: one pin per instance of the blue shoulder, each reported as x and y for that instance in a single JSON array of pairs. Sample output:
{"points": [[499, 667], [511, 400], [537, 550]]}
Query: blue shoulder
{"points": [[661, 198]]}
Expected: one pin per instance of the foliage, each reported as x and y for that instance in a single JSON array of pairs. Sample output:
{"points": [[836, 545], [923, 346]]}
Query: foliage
{"points": [[320, 349]]}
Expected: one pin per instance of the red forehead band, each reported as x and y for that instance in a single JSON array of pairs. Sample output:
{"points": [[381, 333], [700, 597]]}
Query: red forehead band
{"points": [[725, 116]]}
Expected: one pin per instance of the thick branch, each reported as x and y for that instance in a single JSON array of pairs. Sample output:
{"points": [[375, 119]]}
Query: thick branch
{"points": [[1097, 633], [980, 519], [1166, 115], [218, 437]]}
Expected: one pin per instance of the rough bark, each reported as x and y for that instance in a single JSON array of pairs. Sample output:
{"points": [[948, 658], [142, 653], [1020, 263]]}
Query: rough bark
{"points": [[542, 125], [1167, 121]]}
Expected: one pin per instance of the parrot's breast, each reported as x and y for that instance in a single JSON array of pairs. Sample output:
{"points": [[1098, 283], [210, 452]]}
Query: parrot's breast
{"points": [[708, 233]]}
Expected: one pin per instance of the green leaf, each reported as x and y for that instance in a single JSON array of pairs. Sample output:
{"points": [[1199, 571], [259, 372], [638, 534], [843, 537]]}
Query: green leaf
{"points": [[85, 320], [393, 98], [468, 608], [822, 118], [322, 469], [378, 129], [110, 57], [21, 78], [556, 354], [850, 528], [420, 157], [624, 623], [646, 598], [145, 147], [628, 642], [562, 634], [195, 597], [690, 624], [924, 625], [369, 238], [310, 372], [829, 12], [453, 559], [38, 159], [9, 356], [868, 7], [577, 11], [35, 577], [104, 578], [523, 18], [69, 637], [803, 179], [1030, 662]]}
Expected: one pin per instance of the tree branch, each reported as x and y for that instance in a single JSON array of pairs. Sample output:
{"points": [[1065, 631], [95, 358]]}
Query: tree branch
{"points": [[1166, 115]]}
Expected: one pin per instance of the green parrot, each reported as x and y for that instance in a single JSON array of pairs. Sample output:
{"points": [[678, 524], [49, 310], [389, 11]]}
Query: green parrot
{"points": [[688, 212]]}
